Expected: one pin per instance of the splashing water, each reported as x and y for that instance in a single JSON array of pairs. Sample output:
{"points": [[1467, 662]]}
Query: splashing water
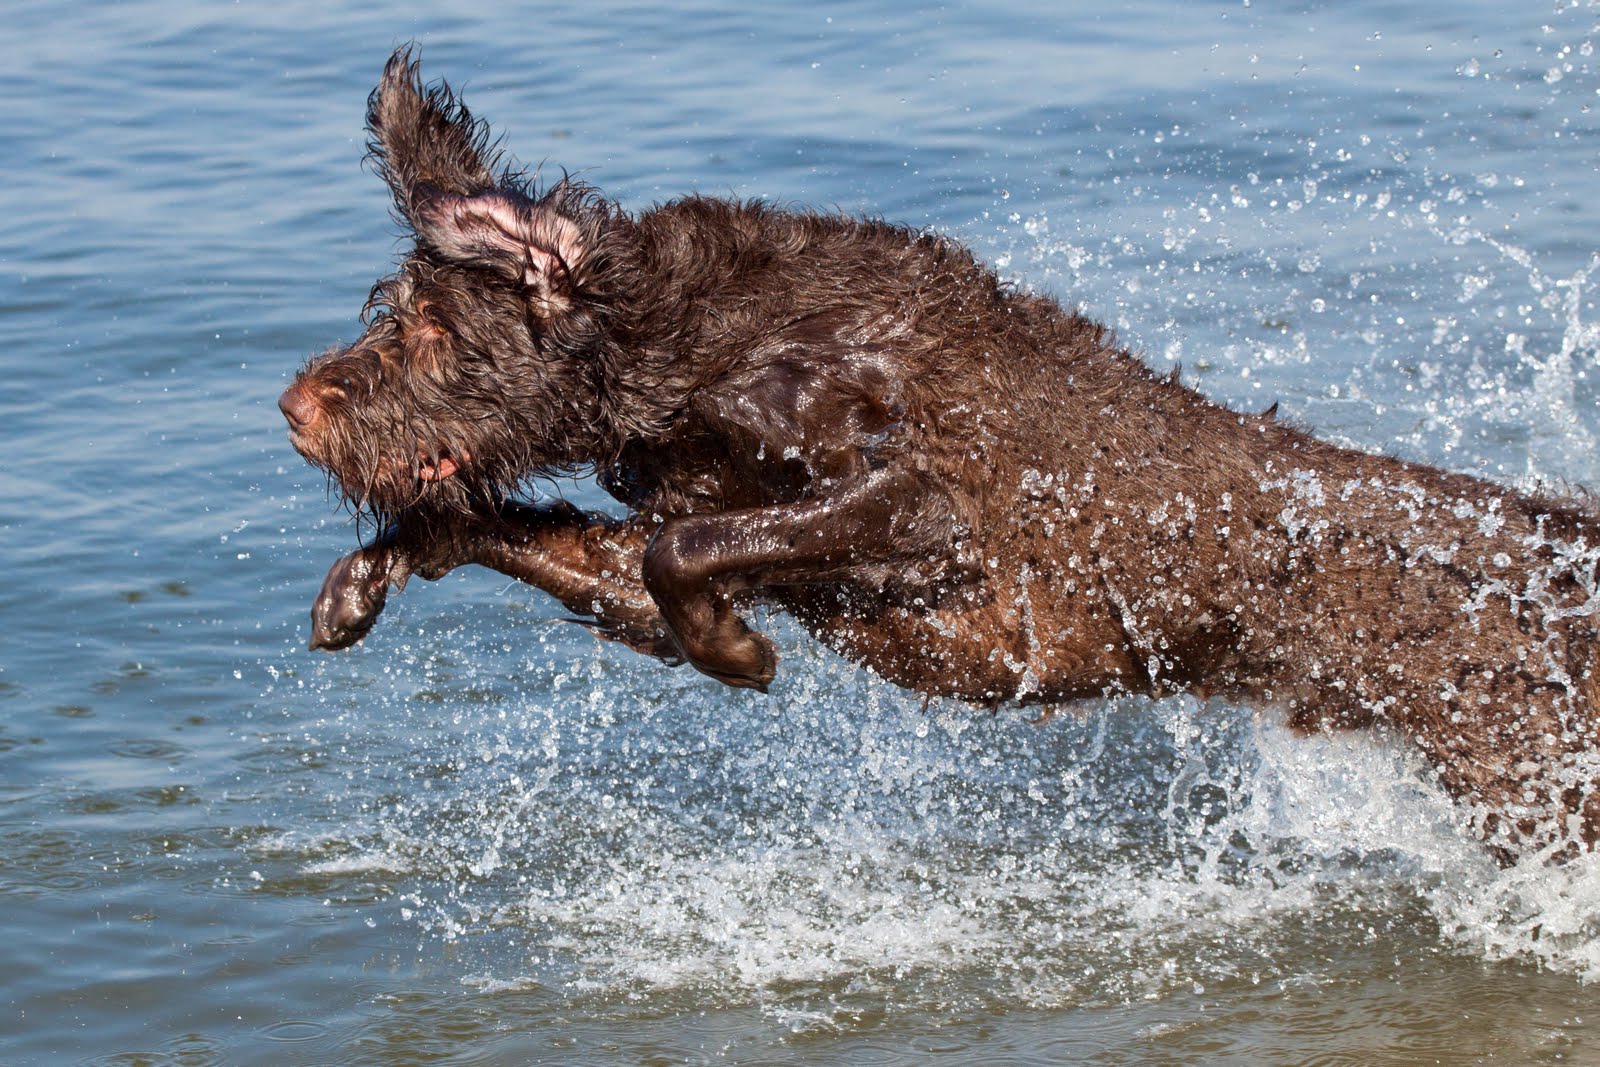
{"points": [[637, 836]]}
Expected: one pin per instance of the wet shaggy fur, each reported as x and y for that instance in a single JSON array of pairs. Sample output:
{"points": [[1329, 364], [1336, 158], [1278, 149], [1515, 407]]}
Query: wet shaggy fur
{"points": [[973, 491]]}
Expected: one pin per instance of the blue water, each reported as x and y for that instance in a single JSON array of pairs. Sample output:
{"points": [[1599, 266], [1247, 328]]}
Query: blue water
{"points": [[482, 838]]}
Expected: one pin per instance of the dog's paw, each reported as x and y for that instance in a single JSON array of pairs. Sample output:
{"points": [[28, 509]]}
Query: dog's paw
{"points": [[749, 661], [351, 599]]}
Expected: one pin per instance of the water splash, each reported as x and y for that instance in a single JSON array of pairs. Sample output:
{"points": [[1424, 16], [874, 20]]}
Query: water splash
{"points": [[636, 836]]}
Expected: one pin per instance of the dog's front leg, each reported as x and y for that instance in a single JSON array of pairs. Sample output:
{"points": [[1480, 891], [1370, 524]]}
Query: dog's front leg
{"points": [[697, 564], [588, 562]]}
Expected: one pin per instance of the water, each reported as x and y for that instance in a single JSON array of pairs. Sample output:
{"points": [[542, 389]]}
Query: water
{"points": [[484, 839]]}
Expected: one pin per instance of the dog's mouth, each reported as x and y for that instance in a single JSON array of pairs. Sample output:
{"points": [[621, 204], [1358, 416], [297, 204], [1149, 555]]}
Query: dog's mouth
{"points": [[309, 448], [440, 465]]}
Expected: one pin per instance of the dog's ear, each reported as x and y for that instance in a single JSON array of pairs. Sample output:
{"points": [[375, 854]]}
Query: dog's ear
{"points": [[531, 243], [425, 137]]}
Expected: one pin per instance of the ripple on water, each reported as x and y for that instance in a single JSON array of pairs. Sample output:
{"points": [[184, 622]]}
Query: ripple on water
{"points": [[195, 1050], [149, 748], [41, 862], [294, 1031]]}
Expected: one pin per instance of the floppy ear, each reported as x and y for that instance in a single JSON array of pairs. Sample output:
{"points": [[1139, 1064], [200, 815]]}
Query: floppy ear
{"points": [[420, 136], [528, 242]]}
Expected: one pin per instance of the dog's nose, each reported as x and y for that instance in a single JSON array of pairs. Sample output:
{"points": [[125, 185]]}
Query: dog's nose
{"points": [[298, 408]]}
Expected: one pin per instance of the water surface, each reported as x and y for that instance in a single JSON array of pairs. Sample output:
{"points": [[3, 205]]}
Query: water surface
{"points": [[483, 838]]}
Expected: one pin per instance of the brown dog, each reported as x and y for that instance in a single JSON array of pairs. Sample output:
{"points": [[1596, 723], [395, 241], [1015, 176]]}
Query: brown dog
{"points": [[970, 490]]}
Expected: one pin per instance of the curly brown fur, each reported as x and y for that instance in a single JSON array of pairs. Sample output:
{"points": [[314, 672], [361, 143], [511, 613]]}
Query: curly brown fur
{"points": [[968, 488]]}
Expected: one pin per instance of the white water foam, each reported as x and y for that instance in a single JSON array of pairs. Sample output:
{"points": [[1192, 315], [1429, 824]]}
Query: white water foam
{"points": [[830, 847]]}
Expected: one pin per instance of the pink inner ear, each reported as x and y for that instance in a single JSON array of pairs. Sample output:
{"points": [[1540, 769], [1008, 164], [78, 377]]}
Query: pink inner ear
{"points": [[511, 232]]}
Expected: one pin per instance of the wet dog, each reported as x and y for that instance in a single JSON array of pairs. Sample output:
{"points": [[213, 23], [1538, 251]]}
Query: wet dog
{"points": [[971, 490]]}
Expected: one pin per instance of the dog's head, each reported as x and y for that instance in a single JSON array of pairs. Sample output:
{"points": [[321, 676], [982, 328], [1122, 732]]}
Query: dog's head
{"points": [[469, 378]]}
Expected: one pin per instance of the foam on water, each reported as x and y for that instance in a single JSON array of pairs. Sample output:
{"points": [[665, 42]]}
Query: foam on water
{"points": [[834, 846]]}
